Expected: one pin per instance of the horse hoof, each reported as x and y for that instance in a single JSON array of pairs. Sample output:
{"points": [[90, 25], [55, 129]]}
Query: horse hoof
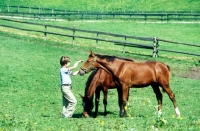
{"points": [[86, 115], [177, 112], [123, 116]]}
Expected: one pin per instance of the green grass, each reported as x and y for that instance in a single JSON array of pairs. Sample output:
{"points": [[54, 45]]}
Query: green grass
{"points": [[185, 33], [111, 5], [31, 97], [29, 82]]}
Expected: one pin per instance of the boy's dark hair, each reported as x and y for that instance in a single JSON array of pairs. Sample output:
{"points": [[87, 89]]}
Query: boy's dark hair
{"points": [[64, 60]]}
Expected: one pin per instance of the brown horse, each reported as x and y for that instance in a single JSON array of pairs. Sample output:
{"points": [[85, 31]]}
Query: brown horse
{"points": [[98, 81], [131, 74]]}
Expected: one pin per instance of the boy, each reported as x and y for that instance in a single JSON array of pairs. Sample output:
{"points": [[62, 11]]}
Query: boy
{"points": [[69, 100]]}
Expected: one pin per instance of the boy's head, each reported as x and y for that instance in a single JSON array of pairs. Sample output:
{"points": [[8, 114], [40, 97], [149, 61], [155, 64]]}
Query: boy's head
{"points": [[64, 60]]}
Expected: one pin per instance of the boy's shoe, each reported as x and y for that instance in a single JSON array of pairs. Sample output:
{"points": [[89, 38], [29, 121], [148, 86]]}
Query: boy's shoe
{"points": [[64, 115]]}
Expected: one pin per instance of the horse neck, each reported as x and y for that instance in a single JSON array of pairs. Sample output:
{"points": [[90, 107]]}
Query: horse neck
{"points": [[92, 85], [111, 67]]}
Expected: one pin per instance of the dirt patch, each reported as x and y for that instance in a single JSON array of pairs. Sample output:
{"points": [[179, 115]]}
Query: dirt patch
{"points": [[193, 73]]}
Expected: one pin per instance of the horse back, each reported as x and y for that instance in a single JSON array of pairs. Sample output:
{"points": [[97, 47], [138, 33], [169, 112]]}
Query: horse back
{"points": [[141, 74], [162, 71]]}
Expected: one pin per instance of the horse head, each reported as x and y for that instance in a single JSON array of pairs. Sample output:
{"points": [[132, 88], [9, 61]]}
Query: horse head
{"points": [[87, 106], [89, 65]]}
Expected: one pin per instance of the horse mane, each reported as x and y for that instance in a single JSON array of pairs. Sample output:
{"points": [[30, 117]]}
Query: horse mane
{"points": [[90, 78], [112, 58]]}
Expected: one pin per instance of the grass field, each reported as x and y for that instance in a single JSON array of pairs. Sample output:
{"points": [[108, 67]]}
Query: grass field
{"points": [[29, 71], [180, 32], [31, 97]]}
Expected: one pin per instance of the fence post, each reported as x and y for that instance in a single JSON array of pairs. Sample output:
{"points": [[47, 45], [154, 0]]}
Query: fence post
{"points": [[73, 38], [97, 39], [167, 17], [124, 44], [145, 17], [155, 47], [29, 9], [90, 14], [45, 32], [52, 12], [8, 8], [97, 17]]}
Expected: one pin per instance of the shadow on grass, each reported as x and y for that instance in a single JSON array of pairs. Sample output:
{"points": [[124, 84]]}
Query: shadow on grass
{"points": [[100, 114], [77, 115]]}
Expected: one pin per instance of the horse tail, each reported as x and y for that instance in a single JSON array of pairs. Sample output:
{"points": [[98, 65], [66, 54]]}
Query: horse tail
{"points": [[168, 67]]}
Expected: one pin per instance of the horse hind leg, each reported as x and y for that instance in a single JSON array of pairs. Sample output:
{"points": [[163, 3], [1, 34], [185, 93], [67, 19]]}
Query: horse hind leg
{"points": [[159, 97], [105, 92], [171, 95]]}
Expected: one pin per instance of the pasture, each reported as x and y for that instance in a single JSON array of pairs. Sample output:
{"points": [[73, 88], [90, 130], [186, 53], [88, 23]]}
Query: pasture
{"points": [[31, 97], [30, 81]]}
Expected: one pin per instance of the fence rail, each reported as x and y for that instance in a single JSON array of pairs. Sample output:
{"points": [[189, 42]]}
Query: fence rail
{"points": [[8, 8], [154, 46], [98, 16], [46, 13]]}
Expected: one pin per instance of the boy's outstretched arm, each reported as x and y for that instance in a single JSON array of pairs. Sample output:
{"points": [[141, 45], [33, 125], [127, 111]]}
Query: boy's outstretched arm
{"points": [[75, 73], [75, 65]]}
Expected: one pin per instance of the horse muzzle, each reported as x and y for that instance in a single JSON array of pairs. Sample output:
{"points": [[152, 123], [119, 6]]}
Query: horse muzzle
{"points": [[82, 72]]}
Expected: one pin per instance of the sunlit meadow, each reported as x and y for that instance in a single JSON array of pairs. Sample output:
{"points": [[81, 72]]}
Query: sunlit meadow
{"points": [[29, 71], [31, 97]]}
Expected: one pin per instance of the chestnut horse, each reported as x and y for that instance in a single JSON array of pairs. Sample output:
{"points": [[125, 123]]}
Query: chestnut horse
{"points": [[131, 74], [98, 81]]}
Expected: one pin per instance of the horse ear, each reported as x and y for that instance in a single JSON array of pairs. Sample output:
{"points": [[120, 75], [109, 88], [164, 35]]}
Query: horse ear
{"points": [[91, 53]]}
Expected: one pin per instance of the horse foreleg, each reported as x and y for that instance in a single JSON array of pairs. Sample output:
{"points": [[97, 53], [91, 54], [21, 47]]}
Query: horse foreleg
{"points": [[125, 94], [105, 101], [97, 97], [119, 91], [128, 97], [172, 97], [159, 97]]}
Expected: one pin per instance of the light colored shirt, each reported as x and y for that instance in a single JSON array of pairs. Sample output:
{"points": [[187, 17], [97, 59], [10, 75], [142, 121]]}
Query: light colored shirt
{"points": [[65, 76]]}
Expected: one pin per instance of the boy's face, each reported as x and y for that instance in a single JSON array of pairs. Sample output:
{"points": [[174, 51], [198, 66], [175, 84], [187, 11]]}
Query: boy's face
{"points": [[68, 64]]}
